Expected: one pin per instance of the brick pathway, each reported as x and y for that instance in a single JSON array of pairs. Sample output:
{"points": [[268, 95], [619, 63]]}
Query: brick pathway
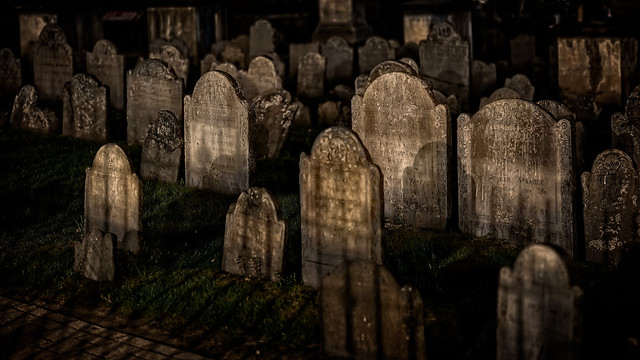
{"points": [[32, 332]]}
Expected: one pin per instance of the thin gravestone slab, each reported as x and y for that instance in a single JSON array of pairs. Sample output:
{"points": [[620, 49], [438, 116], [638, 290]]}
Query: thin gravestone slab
{"points": [[162, 150], [84, 109], [261, 77], [94, 257], [298, 50], [274, 115], [339, 55], [52, 64], [625, 127], [311, 71], [108, 67], [374, 51], [10, 75]]}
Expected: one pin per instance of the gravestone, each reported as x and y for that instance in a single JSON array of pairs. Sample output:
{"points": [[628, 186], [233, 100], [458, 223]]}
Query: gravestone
{"points": [[339, 55], [219, 135], [172, 56], [365, 314], [28, 116], [311, 76], [274, 115], [625, 128], [229, 68], [152, 86], [180, 22], [515, 174], [340, 204], [374, 51], [408, 136], [10, 75], [234, 54], [561, 111], [445, 62], [108, 67], [84, 109], [52, 64], [410, 62], [523, 50], [207, 62], [483, 78], [113, 198], [296, 52], [610, 199], [539, 307], [155, 47], [521, 84], [360, 84], [500, 94], [416, 27], [262, 39], [31, 25], [254, 236], [261, 77], [94, 257], [162, 149], [389, 66], [344, 18]]}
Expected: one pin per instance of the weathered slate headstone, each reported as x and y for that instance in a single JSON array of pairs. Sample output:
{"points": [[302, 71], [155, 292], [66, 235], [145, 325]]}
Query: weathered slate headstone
{"points": [[162, 149], [625, 128], [515, 174], [365, 314], [94, 257], [539, 307], [408, 135], [262, 37], [10, 75], [561, 111], [483, 78], [342, 18], [84, 109], [296, 52], [52, 64], [523, 50], [311, 76], [28, 116], [254, 236], [108, 67], [610, 195], [172, 56], [113, 198], [180, 22], [207, 62], [261, 77], [229, 68], [274, 115], [339, 55], [340, 204], [219, 135], [374, 51], [31, 25], [520, 83], [151, 87]]}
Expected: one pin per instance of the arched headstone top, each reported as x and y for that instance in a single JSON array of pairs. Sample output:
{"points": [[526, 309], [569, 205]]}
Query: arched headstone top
{"points": [[390, 66], [393, 78], [612, 161], [217, 77], [52, 35], [542, 264], [336, 42], [113, 159], [105, 47], [514, 112], [632, 108], [260, 202], [155, 68], [558, 110], [339, 145]]}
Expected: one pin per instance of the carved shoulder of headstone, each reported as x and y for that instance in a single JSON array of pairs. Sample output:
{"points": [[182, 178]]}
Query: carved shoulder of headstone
{"points": [[104, 48], [113, 159], [155, 68], [389, 66], [340, 145], [443, 31], [52, 35]]}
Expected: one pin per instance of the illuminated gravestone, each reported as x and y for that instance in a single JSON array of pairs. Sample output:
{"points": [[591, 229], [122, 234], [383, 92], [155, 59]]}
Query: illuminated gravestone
{"points": [[95, 256], [113, 198], [28, 116], [84, 109], [52, 64], [162, 149], [108, 67], [172, 56], [520, 83], [254, 236], [219, 135], [374, 51], [539, 307], [339, 55], [340, 204], [365, 314], [10, 75], [408, 136], [261, 77], [274, 114], [610, 199], [515, 174], [296, 52], [311, 76], [625, 128], [151, 87]]}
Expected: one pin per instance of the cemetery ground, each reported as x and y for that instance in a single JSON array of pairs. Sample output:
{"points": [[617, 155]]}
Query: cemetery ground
{"points": [[175, 289]]}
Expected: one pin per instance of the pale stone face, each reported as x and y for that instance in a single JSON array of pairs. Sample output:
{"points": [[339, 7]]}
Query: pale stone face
{"points": [[254, 236], [162, 149], [95, 255], [52, 64], [339, 55], [108, 67], [311, 76], [84, 112], [274, 115]]}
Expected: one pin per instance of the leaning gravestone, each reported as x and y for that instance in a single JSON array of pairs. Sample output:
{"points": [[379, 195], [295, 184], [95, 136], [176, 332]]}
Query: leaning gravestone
{"points": [[340, 205], [172, 56], [10, 75], [407, 134], [296, 52], [162, 149], [261, 77], [339, 55], [365, 314], [95, 256], [113, 198], [52, 64], [374, 51], [311, 76], [274, 115], [108, 67], [515, 174], [254, 236], [28, 116], [151, 87], [262, 39], [520, 83], [625, 128], [610, 198], [219, 135], [539, 307], [84, 109]]}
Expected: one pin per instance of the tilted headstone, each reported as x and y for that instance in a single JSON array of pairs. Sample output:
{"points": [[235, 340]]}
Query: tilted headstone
{"points": [[374, 51], [408, 135], [172, 56], [31, 25], [261, 77], [113, 198], [500, 94], [365, 314], [311, 76], [94, 257], [515, 174], [254, 236], [52, 64], [340, 205], [84, 109], [151, 87], [207, 62], [28, 116], [339, 55], [108, 67], [262, 37], [219, 135], [180, 22], [539, 307], [520, 83], [610, 198], [483, 78], [274, 115], [162, 149], [344, 18], [523, 50], [296, 52], [625, 128], [10, 75]]}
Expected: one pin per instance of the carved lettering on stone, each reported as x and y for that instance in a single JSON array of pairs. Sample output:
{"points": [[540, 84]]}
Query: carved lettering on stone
{"points": [[162, 149], [84, 110], [108, 67]]}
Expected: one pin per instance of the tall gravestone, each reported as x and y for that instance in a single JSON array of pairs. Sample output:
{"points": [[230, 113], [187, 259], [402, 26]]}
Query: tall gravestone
{"points": [[297, 51], [311, 71], [262, 39], [162, 149], [625, 128], [340, 204], [94, 257], [254, 236], [610, 197], [344, 18], [539, 307], [180, 22], [219, 135], [374, 51], [339, 55], [274, 114], [152, 86], [52, 64], [113, 198], [261, 77], [172, 56], [515, 174], [27, 115], [10, 75], [108, 67], [408, 135], [84, 109], [365, 314]]}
